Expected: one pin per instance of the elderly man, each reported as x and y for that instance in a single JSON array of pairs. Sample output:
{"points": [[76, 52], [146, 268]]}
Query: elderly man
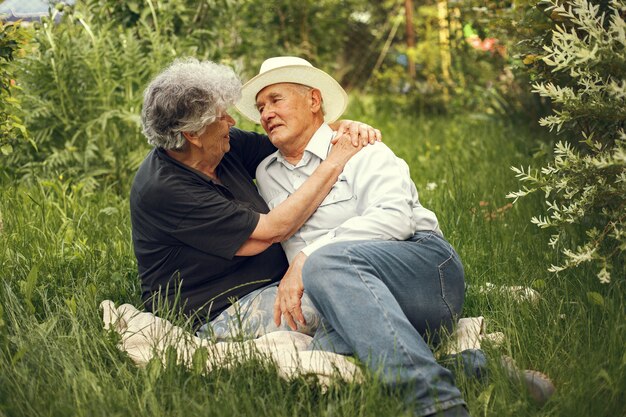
{"points": [[371, 258]]}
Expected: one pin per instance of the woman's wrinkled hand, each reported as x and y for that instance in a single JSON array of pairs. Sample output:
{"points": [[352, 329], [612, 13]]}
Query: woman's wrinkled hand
{"points": [[360, 133], [341, 152]]}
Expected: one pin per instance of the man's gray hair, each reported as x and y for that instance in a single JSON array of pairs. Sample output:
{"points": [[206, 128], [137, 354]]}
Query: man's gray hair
{"points": [[303, 89], [185, 97]]}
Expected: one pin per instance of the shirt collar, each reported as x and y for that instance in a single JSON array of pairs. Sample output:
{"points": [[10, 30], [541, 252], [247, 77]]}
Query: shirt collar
{"points": [[319, 145]]}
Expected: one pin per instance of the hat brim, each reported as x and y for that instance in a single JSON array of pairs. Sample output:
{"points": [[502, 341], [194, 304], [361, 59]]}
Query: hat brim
{"points": [[334, 96]]}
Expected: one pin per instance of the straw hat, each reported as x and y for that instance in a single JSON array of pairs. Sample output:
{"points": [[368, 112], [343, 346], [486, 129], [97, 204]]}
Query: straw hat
{"points": [[289, 69]]}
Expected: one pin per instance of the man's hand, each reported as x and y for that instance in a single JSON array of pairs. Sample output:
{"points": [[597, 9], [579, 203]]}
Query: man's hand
{"points": [[290, 290], [360, 133]]}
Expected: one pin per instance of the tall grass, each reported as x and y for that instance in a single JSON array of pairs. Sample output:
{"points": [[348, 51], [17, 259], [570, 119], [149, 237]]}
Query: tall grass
{"points": [[64, 248]]}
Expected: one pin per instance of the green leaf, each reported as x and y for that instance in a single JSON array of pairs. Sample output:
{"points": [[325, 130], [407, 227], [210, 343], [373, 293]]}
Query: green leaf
{"points": [[485, 397], [28, 285], [6, 149], [19, 355], [31, 281], [604, 378], [199, 361], [595, 298], [71, 305], [539, 284], [92, 291]]}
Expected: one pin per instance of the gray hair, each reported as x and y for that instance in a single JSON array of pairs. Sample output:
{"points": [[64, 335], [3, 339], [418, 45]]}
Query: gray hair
{"points": [[304, 89], [185, 97]]}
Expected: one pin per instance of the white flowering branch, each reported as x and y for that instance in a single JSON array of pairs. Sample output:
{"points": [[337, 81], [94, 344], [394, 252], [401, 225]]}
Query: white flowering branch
{"points": [[585, 185]]}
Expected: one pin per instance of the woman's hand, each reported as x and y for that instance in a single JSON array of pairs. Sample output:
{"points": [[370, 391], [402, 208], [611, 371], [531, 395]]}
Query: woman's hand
{"points": [[288, 300], [341, 152], [360, 133]]}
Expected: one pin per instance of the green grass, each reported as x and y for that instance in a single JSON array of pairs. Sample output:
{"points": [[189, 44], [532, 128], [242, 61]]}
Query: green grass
{"points": [[65, 248]]}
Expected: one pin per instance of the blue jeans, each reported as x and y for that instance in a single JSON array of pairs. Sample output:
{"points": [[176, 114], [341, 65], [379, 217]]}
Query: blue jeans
{"points": [[380, 299]]}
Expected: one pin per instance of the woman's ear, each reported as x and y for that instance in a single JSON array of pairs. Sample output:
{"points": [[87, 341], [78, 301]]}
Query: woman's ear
{"points": [[193, 138]]}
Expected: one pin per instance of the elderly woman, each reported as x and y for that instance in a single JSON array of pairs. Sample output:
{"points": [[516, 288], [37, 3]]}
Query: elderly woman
{"points": [[202, 234]]}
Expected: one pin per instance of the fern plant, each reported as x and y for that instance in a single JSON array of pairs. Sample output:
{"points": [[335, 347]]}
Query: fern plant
{"points": [[83, 87], [585, 185]]}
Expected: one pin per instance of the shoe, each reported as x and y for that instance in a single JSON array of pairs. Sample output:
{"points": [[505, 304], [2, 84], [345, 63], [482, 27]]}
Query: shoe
{"points": [[539, 386]]}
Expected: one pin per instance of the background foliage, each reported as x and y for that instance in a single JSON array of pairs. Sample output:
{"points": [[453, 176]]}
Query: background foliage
{"points": [[83, 86], [83, 81], [12, 128], [585, 185]]}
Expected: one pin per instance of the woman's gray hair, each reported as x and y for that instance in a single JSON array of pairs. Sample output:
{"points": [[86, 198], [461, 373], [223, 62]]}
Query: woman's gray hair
{"points": [[185, 97]]}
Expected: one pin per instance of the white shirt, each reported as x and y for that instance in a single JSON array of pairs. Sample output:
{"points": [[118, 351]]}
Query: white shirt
{"points": [[373, 199]]}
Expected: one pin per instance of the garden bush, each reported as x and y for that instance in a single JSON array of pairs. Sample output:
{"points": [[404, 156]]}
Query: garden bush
{"points": [[585, 184], [89, 63], [83, 83], [12, 129]]}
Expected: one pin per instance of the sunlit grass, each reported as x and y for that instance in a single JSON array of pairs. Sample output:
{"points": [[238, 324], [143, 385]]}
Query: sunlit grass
{"points": [[64, 248]]}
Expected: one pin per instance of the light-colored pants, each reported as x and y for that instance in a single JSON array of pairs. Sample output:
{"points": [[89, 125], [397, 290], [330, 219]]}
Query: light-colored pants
{"points": [[253, 316]]}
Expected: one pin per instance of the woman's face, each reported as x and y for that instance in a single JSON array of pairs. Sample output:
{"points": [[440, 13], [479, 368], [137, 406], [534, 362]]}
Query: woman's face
{"points": [[215, 140]]}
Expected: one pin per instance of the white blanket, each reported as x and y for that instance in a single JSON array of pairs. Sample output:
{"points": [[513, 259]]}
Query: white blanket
{"points": [[145, 336]]}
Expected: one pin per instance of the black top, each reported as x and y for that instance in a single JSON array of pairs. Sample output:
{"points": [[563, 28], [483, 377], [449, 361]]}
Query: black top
{"points": [[186, 229]]}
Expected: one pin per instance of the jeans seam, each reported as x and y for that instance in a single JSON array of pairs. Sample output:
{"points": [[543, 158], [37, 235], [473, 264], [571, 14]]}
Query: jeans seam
{"points": [[440, 272], [443, 286], [429, 235], [385, 315]]}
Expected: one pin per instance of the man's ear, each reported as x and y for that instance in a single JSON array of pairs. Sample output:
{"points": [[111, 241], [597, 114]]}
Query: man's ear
{"points": [[316, 100], [193, 138]]}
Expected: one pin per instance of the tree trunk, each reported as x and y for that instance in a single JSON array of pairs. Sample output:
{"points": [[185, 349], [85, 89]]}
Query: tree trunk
{"points": [[444, 45], [410, 36]]}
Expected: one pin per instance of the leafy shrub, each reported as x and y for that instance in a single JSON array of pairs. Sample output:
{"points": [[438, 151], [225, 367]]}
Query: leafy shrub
{"points": [[83, 86], [585, 185], [12, 128], [83, 82], [243, 32]]}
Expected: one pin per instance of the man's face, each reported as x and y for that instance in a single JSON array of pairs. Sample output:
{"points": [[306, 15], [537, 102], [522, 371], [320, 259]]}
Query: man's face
{"points": [[287, 112]]}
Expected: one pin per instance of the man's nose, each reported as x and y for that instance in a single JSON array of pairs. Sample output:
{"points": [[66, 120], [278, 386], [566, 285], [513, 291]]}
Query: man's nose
{"points": [[267, 114]]}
